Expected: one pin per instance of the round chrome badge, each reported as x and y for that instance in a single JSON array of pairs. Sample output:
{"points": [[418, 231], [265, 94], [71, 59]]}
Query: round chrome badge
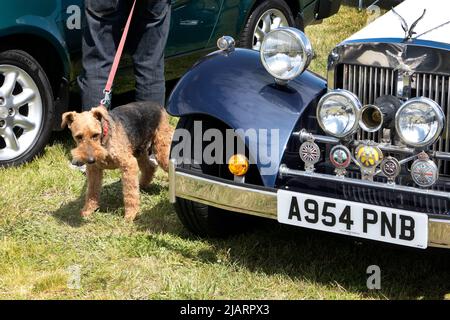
{"points": [[369, 156], [310, 154], [424, 171], [340, 156], [391, 168]]}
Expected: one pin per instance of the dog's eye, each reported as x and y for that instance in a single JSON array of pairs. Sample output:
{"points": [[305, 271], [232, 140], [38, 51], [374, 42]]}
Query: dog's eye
{"points": [[95, 136], [79, 138]]}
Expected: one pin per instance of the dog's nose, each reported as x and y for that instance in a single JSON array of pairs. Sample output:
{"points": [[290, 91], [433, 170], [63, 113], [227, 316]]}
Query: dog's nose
{"points": [[91, 160]]}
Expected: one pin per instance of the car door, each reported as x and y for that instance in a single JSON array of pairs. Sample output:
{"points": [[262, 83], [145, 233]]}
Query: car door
{"points": [[192, 24]]}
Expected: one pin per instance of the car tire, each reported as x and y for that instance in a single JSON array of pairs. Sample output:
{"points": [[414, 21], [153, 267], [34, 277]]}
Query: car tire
{"points": [[201, 219], [26, 108], [256, 27]]}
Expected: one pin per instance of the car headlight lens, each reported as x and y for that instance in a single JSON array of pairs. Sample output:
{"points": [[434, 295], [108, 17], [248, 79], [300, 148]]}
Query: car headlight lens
{"points": [[286, 53], [419, 122], [338, 113]]}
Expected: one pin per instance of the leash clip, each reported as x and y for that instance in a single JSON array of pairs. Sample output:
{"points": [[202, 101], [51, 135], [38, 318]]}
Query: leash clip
{"points": [[106, 101]]}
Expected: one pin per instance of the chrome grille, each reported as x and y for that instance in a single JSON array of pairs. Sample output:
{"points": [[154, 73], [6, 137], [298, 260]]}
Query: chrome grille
{"points": [[437, 88], [369, 83]]}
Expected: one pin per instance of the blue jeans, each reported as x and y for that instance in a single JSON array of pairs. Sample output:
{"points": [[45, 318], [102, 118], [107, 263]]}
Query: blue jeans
{"points": [[146, 42]]}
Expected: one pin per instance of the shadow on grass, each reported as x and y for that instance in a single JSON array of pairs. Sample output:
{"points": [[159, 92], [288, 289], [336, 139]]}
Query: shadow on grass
{"points": [[317, 257], [69, 213], [111, 200]]}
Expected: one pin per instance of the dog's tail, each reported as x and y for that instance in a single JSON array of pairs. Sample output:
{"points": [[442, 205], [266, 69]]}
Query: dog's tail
{"points": [[162, 141]]}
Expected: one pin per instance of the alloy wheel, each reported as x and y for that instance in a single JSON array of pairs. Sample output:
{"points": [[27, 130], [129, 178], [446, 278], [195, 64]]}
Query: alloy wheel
{"points": [[269, 20], [21, 112]]}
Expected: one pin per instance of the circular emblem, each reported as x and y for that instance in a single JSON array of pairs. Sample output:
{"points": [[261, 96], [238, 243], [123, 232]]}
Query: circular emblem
{"points": [[390, 167], [310, 153], [340, 157], [424, 172], [369, 156]]}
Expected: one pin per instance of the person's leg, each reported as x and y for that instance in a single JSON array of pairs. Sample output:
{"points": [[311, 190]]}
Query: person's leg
{"points": [[147, 43], [101, 36]]}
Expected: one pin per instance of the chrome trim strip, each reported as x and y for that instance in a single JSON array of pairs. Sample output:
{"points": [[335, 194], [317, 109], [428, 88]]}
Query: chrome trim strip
{"points": [[172, 168], [285, 171], [405, 57], [439, 233], [303, 136], [261, 203], [225, 196]]}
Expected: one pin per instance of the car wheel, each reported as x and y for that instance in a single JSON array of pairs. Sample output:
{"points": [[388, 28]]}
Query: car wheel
{"points": [[201, 219], [26, 108], [267, 16]]}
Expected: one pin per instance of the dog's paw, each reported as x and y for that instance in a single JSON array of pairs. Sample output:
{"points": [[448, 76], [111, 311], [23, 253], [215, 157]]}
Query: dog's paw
{"points": [[86, 213], [130, 217]]}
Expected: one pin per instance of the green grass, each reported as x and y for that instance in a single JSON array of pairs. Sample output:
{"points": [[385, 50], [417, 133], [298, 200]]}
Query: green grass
{"points": [[326, 36], [42, 236]]}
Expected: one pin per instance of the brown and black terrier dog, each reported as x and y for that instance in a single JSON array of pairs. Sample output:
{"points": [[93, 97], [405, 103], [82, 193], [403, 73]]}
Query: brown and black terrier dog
{"points": [[120, 139]]}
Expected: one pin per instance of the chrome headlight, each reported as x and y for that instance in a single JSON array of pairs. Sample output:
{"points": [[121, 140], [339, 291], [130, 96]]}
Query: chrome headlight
{"points": [[419, 122], [286, 53], [338, 113]]}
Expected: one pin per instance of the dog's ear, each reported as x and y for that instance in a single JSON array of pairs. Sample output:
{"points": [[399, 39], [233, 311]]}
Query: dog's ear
{"points": [[100, 113], [67, 119]]}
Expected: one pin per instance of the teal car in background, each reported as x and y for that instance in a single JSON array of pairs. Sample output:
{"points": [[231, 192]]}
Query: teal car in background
{"points": [[40, 43]]}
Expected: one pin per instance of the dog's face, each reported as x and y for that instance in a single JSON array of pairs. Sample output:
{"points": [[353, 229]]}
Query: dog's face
{"points": [[86, 128]]}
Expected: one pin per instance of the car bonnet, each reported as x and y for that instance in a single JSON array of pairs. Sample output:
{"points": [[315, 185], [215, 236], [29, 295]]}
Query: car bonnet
{"points": [[433, 28]]}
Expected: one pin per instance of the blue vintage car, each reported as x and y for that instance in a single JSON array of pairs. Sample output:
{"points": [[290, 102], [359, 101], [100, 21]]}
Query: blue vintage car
{"points": [[364, 153], [40, 44]]}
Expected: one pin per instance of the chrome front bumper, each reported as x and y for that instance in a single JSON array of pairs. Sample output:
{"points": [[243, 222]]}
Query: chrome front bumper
{"points": [[257, 201]]}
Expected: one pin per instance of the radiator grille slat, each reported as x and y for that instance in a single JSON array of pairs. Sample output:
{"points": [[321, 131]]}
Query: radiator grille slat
{"points": [[437, 88], [368, 83]]}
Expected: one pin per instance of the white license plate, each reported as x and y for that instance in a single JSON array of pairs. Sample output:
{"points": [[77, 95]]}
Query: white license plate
{"points": [[356, 219]]}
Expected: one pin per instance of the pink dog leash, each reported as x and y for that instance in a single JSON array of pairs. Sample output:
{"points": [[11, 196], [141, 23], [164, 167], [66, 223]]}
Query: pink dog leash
{"points": [[106, 101]]}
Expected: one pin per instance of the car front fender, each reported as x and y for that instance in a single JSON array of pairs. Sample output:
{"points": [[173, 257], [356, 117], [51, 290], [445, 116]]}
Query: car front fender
{"points": [[235, 88], [45, 28]]}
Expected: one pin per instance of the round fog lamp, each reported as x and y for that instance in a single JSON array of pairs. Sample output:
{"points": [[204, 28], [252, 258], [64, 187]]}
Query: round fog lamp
{"points": [[238, 165], [419, 122], [338, 113]]}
